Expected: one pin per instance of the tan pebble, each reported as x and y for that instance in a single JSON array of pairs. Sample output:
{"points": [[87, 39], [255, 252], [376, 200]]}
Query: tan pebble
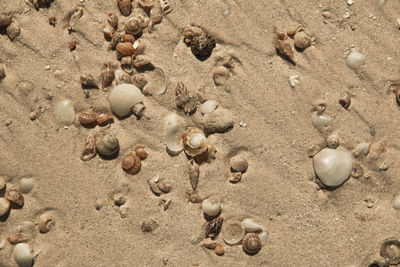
{"points": [[13, 30], [213, 227], [219, 250], [251, 243], [128, 38], [119, 199], [218, 121], [112, 19], [194, 196], [98, 204], [376, 150], [123, 211], [235, 177], [140, 152], [292, 29], [46, 222], [283, 45], [4, 206], [148, 225], [107, 75], [5, 20], [131, 163], [89, 150], [125, 7], [87, 118], [238, 163], [302, 40], [220, 75], [125, 49], [105, 118], [15, 197], [16, 239], [138, 109]]}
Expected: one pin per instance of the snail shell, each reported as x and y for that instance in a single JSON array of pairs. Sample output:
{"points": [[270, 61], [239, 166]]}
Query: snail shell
{"points": [[164, 186], [213, 227], [251, 243], [89, 150], [232, 232], [333, 141], [355, 59], [332, 166], [140, 152], [22, 255], [87, 118], [208, 106], [107, 144], [302, 40], [13, 30], [5, 20], [202, 45], [389, 250], [15, 197], [131, 163], [125, 7], [139, 46], [396, 203], [194, 141], [4, 206], [127, 64], [133, 26], [238, 163], [190, 32], [125, 49], [112, 19], [46, 222], [212, 206], [123, 97]]}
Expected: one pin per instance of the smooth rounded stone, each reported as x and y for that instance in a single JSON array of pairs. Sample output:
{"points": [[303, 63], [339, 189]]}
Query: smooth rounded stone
{"points": [[332, 166], [396, 202], [26, 185], [22, 255], [250, 226], [355, 59], [238, 163], [212, 206], [208, 106], [219, 121], [123, 97], [4, 206], [264, 236], [232, 232], [2, 183], [65, 113], [320, 120]]}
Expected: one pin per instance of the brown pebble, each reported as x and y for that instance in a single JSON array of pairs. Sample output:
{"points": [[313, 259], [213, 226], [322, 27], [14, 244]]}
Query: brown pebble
{"points": [[5, 20], [128, 38], [72, 46], [17, 238], [125, 49], [219, 250], [125, 7]]}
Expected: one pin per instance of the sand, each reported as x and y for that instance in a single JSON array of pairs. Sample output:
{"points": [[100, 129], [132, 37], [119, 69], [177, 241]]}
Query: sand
{"points": [[308, 226]]}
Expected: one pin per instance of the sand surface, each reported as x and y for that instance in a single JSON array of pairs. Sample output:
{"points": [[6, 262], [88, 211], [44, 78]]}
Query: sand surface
{"points": [[308, 226]]}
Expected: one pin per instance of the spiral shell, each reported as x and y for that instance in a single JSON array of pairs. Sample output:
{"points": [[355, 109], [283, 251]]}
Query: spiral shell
{"points": [[87, 118], [213, 227], [107, 144], [194, 141], [89, 150], [13, 30], [5, 20], [251, 243], [202, 45], [190, 32], [333, 140], [140, 152], [183, 99], [107, 75], [46, 222], [125, 7], [15, 197], [112, 19], [131, 163], [134, 25]]}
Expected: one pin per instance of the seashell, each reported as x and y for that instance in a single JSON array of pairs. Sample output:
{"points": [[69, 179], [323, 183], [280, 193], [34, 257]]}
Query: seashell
{"points": [[232, 232], [138, 109], [194, 172], [108, 31], [156, 16], [357, 170], [88, 81], [264, 235], [125, 49], [396, 202], [4, 206], [127, 64], [139, 80], [26, 185], [107, 144], [133, 26], [131, 163], [5, 20], [219, 250], [2, 72], [302, 40], [65, 113], [112, 19], [219, 121], [164, 186], [355, 59], [173, 140], [16, 239], [251, 243], [194, 196], [13, 30], [213, 227], [141, 60], [157, 82], [165, 6], [123, 97], [212, 206], [183, 99], [208, 106], [22, 255], [194, 141], [149, 225], [119, 199], [390, 250], [209, 243], [122, 77], [220, 75], [235, 177], [127, 38], [87, 118], [105, 118], [238, 163], [90, 150], [320, 120], [139, 46], [115, 39], [140, 152], [361, 149], [332, 166], [15, 197], [333, 141], [202, 45], [250, 226], [154, 187], [345, 101], [46, 222], [283, 45], [191, 32], [2, 183], [125, 7]]}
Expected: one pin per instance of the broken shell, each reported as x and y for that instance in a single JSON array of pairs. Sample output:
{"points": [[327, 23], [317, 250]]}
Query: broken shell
{"points": [[139, 46], [138, 109], [128, 38], [13, 30], [232, 232], [235, 177], [157, 84], [104, 118], [164, 186], [194, 172], [16, 239], [87, 118], [302, 40], [15, 197], [107, 144], [65, 112], [219, 121], [283, 45], [88, 81], [219, 250], [4, 206], [194, 141], [345, 101], [208, 106], [173, 140], [141, 60], [355, 59], [89, 151], [122, 77], [357, 170], [108, 31], [376, 150], [127, 64], [131, 163], [26, 185], [140, 80], [239, 163], [22, 255], [202, 45], [333, 141], [191, 32], [220, 75], [332, 166], [125, 49], [209, 243], [156, 16], [213, 227], [133, 26], [112, 19], [140, 152], [251, 243], [107, 75], [125, 7], [46, 222], [184, 100], [396, 203], [212, 206], [5, 20], [165, 7], [154, 187], [250, 226], [123, 97], [194, 196], [264, 235]]}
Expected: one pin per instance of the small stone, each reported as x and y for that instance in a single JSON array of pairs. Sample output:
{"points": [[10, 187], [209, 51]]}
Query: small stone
{"points": [[219, 121], [123, 211], [383, 167], [148, 226], [294, 80], [47, 67], [119, 199], [209, 243], [398, 23], [242, 124], [219, 250], [72, 46], [99, 204], [349, 2], [238, 163], [235, 177], [327, 14]]}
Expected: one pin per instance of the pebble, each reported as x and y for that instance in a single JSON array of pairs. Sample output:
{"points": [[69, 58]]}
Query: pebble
{"points": [[22, 255], [148, 226], [47, 67], [99, 204], [26, 185], [238, 163], [219, 250], [219, 121], [123, 211], [398, 23], [2, 243], [235, 177], [119, 199], [350, 2], [327, 14], [242, 124], [396, 202], [294, 80]]}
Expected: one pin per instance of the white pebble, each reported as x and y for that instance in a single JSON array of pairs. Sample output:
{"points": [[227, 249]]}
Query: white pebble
{"points": [[26, 185], [65, 113], [294, 80], [320, 120], [22, 255], [355, 59], [349, 2], [396, 202], [47, 67]]}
